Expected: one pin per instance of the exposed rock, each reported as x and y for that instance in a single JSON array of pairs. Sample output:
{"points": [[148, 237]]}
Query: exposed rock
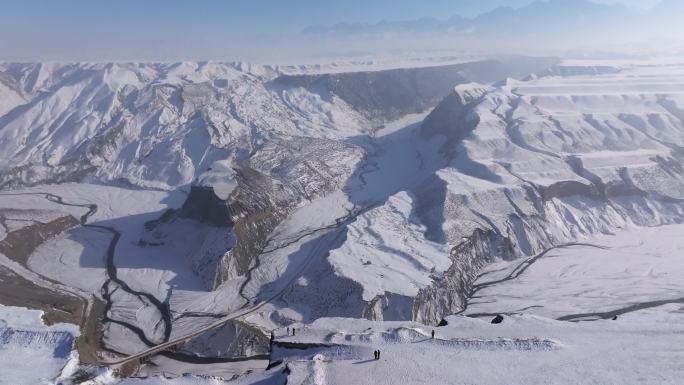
{"points": [[448, 295], [19, 244], [204, 206]]}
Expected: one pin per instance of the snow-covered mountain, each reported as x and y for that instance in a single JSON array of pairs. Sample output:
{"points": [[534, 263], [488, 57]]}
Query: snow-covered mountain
{"points": [[164, 125], [214, 188]]}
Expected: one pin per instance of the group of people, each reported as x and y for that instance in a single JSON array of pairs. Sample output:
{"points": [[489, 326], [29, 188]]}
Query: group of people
{"points": [[376, 353], [288, 331]]}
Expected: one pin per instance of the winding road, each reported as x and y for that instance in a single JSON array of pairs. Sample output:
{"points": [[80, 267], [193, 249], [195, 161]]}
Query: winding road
{"points": [[113, 283]]}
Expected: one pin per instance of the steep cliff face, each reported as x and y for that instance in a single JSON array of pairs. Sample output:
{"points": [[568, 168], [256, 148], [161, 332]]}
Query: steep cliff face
{"points": [[544, 163], [257, 211], [522, 167], [280, 177], [391, 94], [448, 294], [204, 206], [229, 341]]}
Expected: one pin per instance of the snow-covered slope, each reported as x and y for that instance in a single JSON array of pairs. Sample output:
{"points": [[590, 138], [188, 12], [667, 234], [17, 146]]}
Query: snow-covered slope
{"points": [[636, 348], [313, 196], [30, 352], [163, 125], [155, 125], [610, 275], [493, 172]]}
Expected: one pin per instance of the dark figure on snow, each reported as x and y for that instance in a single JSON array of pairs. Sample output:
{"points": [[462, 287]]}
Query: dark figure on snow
{"points": [[375, 354], [293, 332], [378, 354], [614, 318], [433, 334]]}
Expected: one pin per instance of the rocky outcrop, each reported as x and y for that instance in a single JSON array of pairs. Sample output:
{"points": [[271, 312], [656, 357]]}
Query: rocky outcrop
{"points": [[204, 206], [19, 244], [230, 340], [389, 307], [274, 182], [448, 295], [256, 211]]}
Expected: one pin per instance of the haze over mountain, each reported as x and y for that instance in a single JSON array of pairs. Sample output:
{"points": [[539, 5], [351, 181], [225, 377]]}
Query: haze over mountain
{"points": [[487, 192], [173, 30], [183, 212], [551, 26]]}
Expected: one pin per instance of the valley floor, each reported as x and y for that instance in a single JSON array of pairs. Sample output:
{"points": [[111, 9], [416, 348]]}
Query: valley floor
{"points": [[536, 163], [531, 346], [610, 275]]}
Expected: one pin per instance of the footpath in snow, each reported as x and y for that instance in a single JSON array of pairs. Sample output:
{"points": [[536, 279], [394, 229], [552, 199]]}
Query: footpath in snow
{"points": [[641, 347]]}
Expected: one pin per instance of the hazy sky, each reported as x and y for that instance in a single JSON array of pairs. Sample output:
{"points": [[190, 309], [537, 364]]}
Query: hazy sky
{"points": [[194, 29]]}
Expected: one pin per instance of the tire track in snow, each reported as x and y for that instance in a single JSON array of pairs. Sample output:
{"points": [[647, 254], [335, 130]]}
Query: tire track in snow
{"points": [[614, 313], [519, 270]]}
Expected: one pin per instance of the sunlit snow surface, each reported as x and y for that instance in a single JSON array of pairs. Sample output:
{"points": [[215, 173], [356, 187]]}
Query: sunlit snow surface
{"points": [[30, 352], [640, 347], [395, 238], [77, 258], [643, 347], [637, 266]]}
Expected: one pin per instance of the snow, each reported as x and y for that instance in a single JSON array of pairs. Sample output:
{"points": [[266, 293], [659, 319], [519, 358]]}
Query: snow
{"points": [[374, 62], [416, 195], [636, 266], [378, 208], [109, 378], [221, 177], [30, 352], [153, 125], [76, 258], [637, 348], [386, 251]]}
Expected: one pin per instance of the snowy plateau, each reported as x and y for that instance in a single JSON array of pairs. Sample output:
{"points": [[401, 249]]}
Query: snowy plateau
{"points": [[227, 223]]}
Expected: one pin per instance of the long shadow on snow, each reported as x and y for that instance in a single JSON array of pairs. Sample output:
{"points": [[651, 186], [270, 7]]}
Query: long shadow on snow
{"points": [[403, 160], [309, 264], [129, 254]]}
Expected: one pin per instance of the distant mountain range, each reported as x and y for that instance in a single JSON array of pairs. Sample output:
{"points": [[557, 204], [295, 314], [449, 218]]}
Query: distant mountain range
{"points": [[542, 20]]}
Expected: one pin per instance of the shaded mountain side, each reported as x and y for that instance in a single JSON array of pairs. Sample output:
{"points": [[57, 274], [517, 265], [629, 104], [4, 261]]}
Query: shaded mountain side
{"points": [[204, 206], [390, 94]]}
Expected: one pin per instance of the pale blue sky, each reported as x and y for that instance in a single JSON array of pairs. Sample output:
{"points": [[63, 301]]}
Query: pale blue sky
{"points": [[197, 29]]}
